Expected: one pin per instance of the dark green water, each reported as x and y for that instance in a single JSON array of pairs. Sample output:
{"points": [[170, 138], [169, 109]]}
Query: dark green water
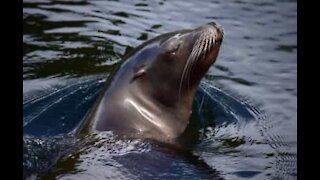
{"points": [[246, 104]]}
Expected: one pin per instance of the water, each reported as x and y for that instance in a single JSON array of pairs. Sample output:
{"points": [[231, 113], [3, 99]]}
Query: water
{"points": [[245, 108]]}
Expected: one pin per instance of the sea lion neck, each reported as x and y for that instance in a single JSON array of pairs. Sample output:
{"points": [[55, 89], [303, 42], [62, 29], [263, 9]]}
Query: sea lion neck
{"points": [[170, 120]]}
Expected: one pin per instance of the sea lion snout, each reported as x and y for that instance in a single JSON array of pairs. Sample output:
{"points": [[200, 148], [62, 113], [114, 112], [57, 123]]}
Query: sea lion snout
{"points": [[207, 40], [216, 25], [213, 28]]}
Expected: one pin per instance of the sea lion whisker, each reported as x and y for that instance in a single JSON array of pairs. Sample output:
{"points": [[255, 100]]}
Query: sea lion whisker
{"points": [[198, 49], [210, 42], [204, 46], [186, 68], [188, 73], [182, 78]]}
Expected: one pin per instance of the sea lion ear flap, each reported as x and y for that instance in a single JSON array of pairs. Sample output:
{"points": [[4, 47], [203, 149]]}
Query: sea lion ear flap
{"points": [[139, 71]]}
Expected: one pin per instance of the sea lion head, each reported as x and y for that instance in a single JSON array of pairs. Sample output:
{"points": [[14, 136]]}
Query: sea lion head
{"points": [[178, 61]]}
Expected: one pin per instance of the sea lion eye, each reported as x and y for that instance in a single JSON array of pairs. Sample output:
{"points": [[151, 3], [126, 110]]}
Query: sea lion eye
{"points": [[175, 49]]}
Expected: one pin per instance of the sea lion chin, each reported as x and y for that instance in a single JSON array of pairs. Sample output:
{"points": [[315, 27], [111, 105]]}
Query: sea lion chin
{"points": [[151, 93]]}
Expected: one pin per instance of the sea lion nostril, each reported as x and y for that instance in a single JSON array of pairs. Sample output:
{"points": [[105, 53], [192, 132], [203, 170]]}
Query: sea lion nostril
{"points": [[212, 23]]}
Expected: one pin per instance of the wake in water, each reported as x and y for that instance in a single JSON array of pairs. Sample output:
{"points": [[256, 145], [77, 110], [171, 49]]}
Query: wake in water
{"points": [[231, 137], [57, 110], [238, 138]]}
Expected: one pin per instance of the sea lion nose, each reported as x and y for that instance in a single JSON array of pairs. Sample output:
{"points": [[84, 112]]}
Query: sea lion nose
{"points": [[219, 28], [212, 23], [216, 25]]}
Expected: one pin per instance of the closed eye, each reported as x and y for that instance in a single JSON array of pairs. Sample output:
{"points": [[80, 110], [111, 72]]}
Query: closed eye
{"points": [[175, 49]]}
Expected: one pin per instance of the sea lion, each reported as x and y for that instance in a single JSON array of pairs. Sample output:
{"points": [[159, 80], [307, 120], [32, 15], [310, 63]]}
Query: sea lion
{"points": [[151, 93]]}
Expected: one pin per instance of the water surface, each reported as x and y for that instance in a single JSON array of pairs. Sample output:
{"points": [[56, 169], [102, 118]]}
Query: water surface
{"points": [[246, 104]]}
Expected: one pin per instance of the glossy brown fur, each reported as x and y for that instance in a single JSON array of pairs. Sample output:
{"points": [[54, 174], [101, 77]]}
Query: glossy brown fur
{"points": [[151, 93]]}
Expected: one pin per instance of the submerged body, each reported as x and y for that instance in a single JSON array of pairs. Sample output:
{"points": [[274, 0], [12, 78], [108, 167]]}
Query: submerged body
{"points": [[151, 93]]}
